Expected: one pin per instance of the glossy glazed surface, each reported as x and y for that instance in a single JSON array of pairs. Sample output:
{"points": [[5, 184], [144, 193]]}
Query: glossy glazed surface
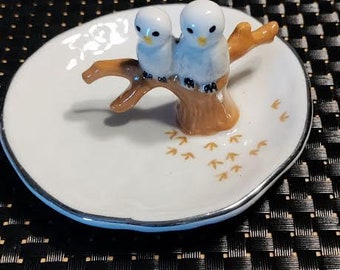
{"points": [[137, 170]]}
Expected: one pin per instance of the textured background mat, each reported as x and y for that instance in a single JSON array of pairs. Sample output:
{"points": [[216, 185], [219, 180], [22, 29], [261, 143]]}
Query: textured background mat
{"points": [[294, 226]]}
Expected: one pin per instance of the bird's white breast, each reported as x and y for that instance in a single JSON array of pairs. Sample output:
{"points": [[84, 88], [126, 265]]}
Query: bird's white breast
{"points": [[157, 60], [202, 65]]}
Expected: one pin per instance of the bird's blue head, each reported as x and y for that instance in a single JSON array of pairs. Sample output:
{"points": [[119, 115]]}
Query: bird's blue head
{"points": [[153, 26], [202, 23]]}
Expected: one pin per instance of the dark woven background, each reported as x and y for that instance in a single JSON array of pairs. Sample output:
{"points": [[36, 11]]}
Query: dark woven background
{"points": [[294, 226]]}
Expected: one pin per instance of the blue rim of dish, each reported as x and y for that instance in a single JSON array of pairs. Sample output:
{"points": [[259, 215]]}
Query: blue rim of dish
{"points": [[167, 225]]}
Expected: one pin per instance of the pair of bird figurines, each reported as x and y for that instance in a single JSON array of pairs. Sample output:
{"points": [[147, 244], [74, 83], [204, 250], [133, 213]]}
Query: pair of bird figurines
{"points": [[199, 57]]}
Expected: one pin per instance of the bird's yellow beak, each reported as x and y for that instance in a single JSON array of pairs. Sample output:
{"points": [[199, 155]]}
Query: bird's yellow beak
{"points": [[148, 40], [202, 41]]}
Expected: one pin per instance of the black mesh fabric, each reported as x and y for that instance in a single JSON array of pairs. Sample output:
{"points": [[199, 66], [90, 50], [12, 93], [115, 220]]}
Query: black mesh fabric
{"points": [[295, 225]]}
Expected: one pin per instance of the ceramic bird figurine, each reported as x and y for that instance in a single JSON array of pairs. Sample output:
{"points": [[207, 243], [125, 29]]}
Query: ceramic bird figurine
{"points": [[201, 56], [156, 45]]}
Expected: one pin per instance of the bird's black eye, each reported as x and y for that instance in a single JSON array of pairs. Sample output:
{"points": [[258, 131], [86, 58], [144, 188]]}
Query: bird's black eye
{"points": [[155, 34], [138, 28], [190, 31], [212, 29]]}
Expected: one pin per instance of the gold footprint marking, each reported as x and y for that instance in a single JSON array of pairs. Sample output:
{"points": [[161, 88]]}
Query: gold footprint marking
{"points": [[188, 155], [211, 146], [182, 139], [214, 163], [236, 168], [261, 144], [232, 156], [171, 133], [222, 176], [284, 117], [235, 139], [254, 152], [172, 151], [275, 105]]}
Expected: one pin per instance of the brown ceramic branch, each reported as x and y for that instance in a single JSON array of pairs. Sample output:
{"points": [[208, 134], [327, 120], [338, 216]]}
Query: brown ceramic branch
{"points": [[197, 113], [220, 113], [242, 39]]}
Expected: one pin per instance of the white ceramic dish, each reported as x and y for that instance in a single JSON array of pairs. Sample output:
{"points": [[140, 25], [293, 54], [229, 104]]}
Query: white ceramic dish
{"points": [[137, 170]]}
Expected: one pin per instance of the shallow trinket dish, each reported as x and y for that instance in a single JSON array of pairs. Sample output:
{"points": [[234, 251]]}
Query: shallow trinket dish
{"points": [[137, 170]]}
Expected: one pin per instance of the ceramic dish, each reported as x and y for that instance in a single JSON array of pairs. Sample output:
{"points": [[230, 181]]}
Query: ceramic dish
{"points": [[137, 170]]}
